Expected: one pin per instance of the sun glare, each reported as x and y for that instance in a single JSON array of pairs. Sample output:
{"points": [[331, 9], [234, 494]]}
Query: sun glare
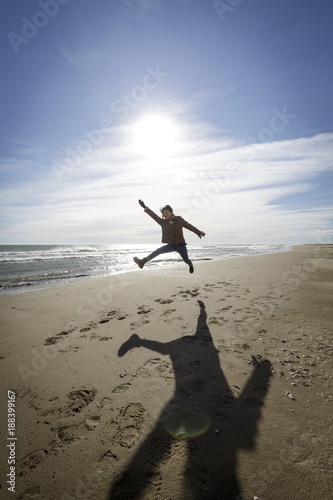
{"points": [[155, 136]]}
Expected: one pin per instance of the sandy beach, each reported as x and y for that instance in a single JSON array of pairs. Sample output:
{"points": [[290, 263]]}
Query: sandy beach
{"points": [[158, 384]]}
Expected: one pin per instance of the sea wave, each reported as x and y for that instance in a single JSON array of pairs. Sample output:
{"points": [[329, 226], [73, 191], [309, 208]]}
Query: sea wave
{"points": [[43, 265]]}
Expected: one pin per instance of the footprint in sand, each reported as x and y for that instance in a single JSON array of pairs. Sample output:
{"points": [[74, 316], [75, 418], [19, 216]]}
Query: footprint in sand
{"points": [[128, 425], [92, 422], [30, 493], [104, 320], [235, 390], [80, 398], [152, 368], [216, 321], [168, 311], [157, 364], [116, 314], [31, 461], [190, 293], [72, 433], [57, 338], [135, 326], [84, 396], [107, 461], [163, 366], [164, 301], [105, 402], [68, 434], [144, 310], [122, 387], [152, 362]]}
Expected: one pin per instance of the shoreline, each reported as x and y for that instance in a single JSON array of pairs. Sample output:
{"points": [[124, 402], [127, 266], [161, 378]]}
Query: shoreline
{"points": [[61, 281], [254, 336]]}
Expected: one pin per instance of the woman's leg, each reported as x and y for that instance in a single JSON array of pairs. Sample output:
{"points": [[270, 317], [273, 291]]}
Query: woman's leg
{"points": [[165, 249], [182, 250]]}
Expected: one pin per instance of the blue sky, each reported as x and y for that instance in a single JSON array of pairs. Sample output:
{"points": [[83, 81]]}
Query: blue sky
{"points": [[223, 109]]}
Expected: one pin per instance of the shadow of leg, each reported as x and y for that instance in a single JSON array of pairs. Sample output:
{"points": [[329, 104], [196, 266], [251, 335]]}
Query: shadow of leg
{"points": [[133, 341], [143, 472]]}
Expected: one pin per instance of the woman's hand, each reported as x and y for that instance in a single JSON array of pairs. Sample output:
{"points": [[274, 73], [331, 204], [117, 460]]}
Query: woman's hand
{"points": [[142, 204]]}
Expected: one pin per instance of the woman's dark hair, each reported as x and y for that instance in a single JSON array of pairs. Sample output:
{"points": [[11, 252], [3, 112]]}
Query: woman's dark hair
{"points": [[166, 207]]}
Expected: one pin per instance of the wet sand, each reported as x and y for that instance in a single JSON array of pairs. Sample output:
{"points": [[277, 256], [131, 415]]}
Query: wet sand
{"points": [[159, 384]]}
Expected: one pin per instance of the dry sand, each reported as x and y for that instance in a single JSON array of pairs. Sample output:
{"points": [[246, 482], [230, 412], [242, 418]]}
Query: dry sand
{"points": [[223, 392]]}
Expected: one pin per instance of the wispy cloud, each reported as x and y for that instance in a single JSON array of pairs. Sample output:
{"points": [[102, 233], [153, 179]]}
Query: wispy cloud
{"points": [[139, 5], [233, 192], [27, 148], [83, 57]]}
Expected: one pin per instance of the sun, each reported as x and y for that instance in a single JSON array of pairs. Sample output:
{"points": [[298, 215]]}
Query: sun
{"points": [[155, 135]]}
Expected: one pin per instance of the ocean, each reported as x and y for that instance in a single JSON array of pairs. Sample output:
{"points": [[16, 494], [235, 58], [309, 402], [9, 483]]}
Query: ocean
{"points": [[31, 267]]}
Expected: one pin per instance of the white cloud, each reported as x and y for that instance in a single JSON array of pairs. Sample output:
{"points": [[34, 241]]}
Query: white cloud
{"points": [[83, 57], [229, 190]]}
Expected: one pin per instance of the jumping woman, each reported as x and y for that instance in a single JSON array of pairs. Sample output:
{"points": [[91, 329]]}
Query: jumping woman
{"points": [[172, 234]]}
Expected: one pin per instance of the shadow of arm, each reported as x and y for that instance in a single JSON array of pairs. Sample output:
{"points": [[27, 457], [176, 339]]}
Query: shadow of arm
{"points": [[250, 403]]}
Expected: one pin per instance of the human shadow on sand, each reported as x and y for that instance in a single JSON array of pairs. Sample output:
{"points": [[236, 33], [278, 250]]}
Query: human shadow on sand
{"points": [[215, 420]]}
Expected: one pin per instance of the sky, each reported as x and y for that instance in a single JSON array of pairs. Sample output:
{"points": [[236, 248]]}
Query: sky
{"points": [[222, 109]]}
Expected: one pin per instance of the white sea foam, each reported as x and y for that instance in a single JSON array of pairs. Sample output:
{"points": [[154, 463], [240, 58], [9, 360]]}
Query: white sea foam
{"points": [[27, 267]]}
